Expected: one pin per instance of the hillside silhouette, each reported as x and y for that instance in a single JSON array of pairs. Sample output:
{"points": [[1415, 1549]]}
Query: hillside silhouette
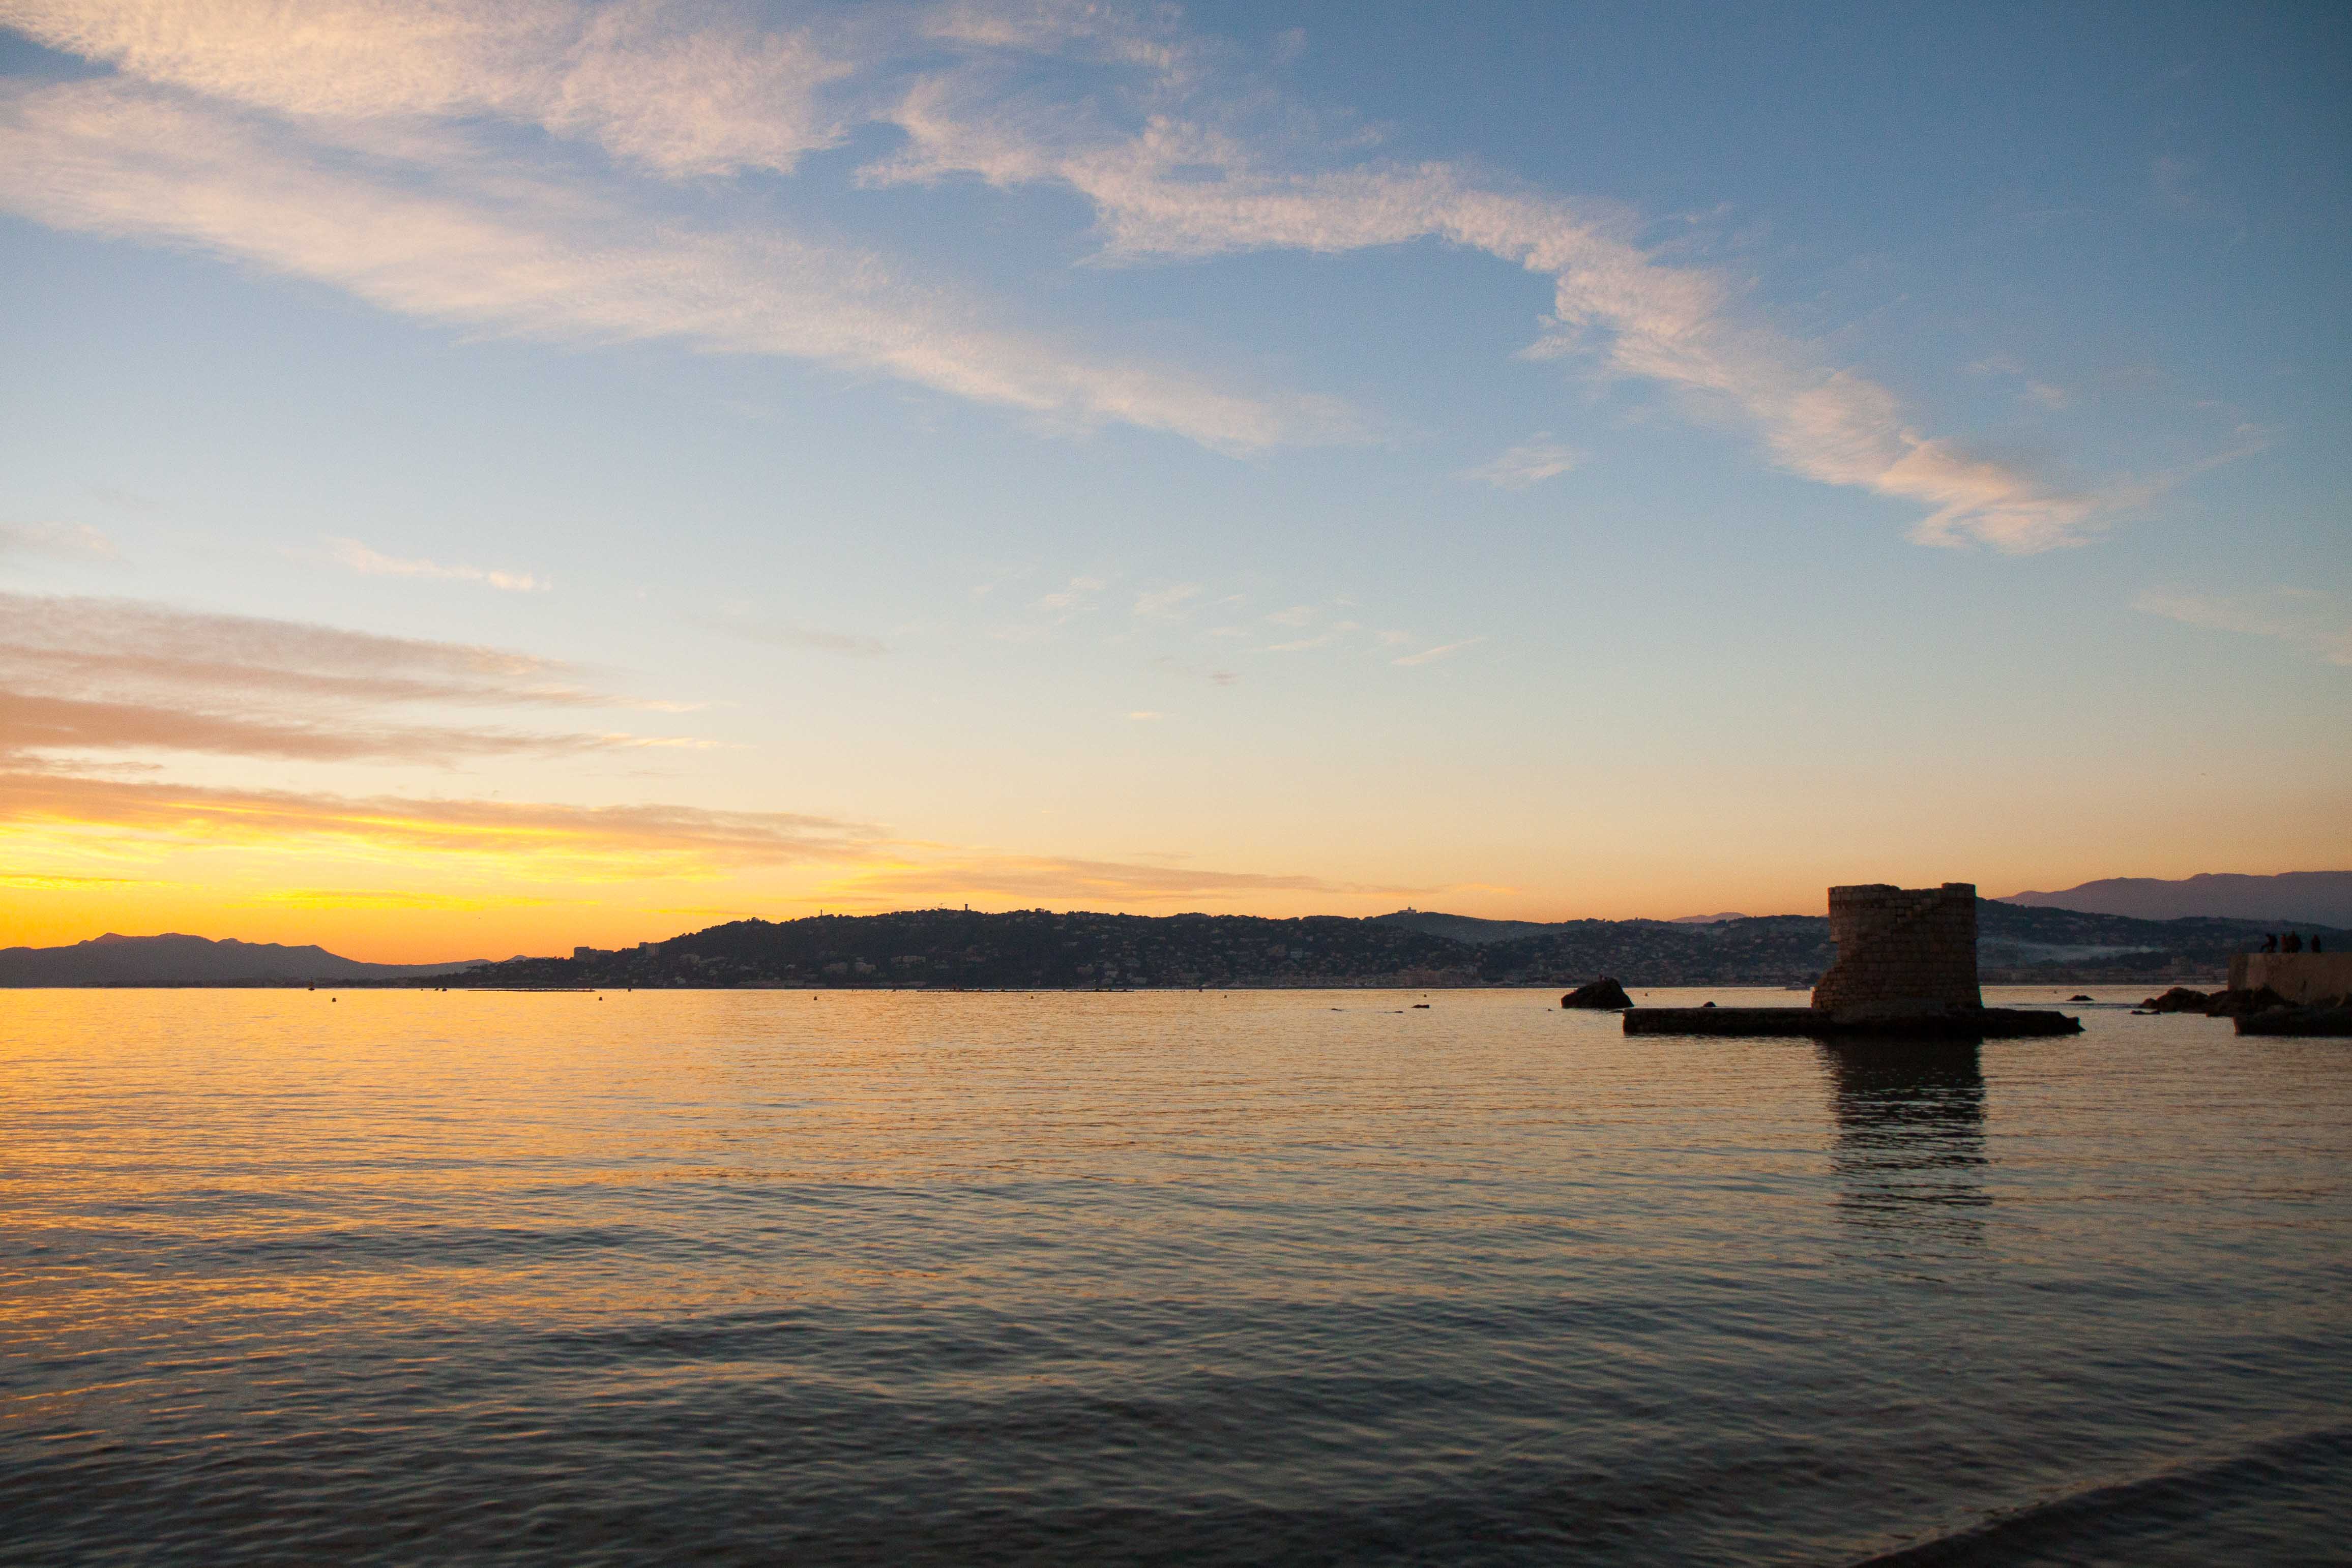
{"points": [[952, 949]]}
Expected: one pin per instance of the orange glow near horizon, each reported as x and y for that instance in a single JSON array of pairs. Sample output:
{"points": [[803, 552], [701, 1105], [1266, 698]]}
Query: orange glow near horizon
{"points": [[399, 879]]}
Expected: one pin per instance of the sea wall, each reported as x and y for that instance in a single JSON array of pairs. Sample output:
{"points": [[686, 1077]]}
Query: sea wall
{"points": [[2304, 979], [1901, 947]]}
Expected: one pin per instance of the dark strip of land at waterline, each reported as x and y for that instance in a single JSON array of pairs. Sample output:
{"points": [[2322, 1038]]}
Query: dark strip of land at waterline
{"points": [[1039, 949]]}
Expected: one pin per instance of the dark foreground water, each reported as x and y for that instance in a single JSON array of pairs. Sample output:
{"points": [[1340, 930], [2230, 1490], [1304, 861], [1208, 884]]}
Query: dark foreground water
{"points": [[1161, 1278]]}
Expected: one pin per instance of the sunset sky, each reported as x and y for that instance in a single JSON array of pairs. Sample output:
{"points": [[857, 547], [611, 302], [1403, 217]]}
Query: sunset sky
{"points": [[477, 479]]}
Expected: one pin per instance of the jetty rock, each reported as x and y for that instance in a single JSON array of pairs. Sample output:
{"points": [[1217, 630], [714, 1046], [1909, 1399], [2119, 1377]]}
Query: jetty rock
{"points": [[2303, 1023], [2237, 1003], [1604, 995], [1887, 1024], [2180, 999]]}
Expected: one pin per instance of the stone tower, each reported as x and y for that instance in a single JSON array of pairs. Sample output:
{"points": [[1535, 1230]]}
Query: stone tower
{"points": [[1902, 950]]}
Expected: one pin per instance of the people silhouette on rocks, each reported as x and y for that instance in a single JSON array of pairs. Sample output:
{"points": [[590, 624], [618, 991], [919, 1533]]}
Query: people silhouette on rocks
{"points": [[2294, 943]]}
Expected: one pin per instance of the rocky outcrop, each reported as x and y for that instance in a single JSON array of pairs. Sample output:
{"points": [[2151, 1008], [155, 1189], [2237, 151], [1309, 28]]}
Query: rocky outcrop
{"points": [[2180, 999], [2238, 1003], [1604, 995]]}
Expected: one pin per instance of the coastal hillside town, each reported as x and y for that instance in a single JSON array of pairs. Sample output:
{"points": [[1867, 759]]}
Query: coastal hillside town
{"points": [[952, 949], [961, 949]]}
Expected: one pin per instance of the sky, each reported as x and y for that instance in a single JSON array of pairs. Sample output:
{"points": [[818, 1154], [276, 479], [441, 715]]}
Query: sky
{"points": [[479, 478]]}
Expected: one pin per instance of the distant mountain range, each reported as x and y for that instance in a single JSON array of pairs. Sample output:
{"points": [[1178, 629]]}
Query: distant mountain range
{"points": [[176, 960], [2309, 897]]}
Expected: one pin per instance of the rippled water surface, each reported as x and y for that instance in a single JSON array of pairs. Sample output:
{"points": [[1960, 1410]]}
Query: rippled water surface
{"points": [[1182, 1278]]}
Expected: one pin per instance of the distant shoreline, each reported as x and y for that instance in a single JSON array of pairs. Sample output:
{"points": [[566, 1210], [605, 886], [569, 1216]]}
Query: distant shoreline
{"points": [[2037, 981], [1082, 951]]}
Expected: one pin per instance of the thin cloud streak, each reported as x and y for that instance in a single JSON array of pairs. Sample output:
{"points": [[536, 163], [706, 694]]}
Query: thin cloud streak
{"points": [[88, 674], [540, 257], [2316, 620], [1166, 604], [588, 841], [807, 638], [38, 724], [1527, 465], [61, 542], [612, 844], [159, 642], [1430, 655], [361, 559], [1071, 882]]}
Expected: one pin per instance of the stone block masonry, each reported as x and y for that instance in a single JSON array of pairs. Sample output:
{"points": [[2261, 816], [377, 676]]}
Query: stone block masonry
{"points": [[1905, 970], [2306, 979], [1902, 949]]}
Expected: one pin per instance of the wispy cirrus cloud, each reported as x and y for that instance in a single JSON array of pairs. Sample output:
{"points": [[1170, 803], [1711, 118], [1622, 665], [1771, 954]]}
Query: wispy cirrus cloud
{"points": [[81, 644], [1332, 634], [815, 640], [1197, 185], [428, 225], [361, 559], [744, 620], [1166, 604], [684, 93], [348, 898], [61, 541], [1073, 882], [1430, 655], [1079, 591], [83, 676], [340, 143], [2315, 619], [1527, 465], [45, 723], [1045, 615]]}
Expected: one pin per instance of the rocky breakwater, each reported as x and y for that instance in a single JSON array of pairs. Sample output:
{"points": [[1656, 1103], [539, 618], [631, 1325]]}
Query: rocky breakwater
{"points": [[2293, 994], [1905, 970], [2297, 993]]}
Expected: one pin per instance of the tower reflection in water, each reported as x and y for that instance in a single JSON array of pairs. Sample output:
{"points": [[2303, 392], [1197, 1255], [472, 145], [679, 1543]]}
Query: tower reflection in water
{"points": [[1910, 1150]]}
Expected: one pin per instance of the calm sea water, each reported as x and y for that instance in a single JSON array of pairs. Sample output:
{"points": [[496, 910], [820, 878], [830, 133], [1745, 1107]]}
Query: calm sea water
{"points": [[1169, 1278]]}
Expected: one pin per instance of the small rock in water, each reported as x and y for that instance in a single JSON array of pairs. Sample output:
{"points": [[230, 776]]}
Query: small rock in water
{"points": [[1603, 994]]}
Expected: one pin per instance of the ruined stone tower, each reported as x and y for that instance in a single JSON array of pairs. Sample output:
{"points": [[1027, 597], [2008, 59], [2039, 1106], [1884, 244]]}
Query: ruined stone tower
{"points": [[1902, 950]]}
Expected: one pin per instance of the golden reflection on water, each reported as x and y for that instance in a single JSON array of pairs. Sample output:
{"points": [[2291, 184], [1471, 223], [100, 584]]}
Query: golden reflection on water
{"points": [[1159, 1247], [1181, 1256], [287, 1136]]}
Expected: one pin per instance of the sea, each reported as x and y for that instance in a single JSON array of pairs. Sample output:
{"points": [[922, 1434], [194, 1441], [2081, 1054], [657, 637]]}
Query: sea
{"points": [[1259, 1277]]}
